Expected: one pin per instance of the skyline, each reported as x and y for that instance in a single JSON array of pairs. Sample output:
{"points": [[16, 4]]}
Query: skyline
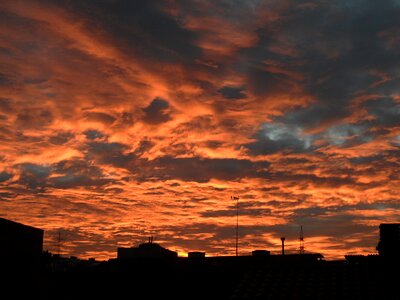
{"points": [[124, 119]]}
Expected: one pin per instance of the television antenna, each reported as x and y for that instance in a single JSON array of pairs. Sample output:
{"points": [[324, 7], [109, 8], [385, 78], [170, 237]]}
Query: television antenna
{"points": [[59, 241]]}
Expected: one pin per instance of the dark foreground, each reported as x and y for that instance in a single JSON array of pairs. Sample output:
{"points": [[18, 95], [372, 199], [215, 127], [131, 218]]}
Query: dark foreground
{"points": [[206, 278]]}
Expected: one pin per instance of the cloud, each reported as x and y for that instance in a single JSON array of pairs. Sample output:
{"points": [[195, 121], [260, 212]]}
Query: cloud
{"points": [[233, 93], [6, 105], [311, 116], [231, 213], [386, 111], [346, 135], [118, 116], [35, 117], [280, 137], [77, 173], [142, 28], [101, 117], [110, 153], [4, 176], [34, 176], [61, 137], [62, 175], [93, 134], [203, 170], [156, 112]]}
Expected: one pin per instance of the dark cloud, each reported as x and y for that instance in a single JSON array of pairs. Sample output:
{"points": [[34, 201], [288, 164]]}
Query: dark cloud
{"points": [[76, 167], [61, 138], [204, 169], [264, 83], [331, 180], [386, 161], [34, 117], [35, 80], [7, 195], [338, 49], [4, 176], [4, 79], [6, 106], [34, 176], [272, 138], [324, 211], [76, 180], [100, 117], [167, 167], [295, 160], [141, 28], [143, 147], [126, 119], [255, 212], [385, 111], [77, 173], [115, 154], [213, 144], [93, 134], [66, 174], [233, 93], [311, 116], [156, 112], [366, 160], [198, 124]]}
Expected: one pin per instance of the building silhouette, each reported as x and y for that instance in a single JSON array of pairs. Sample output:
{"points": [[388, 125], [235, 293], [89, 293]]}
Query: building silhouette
{"points": [[146, 250], [196, 254], [20, 243], [152, 270], [389, 243], [260, 252]]}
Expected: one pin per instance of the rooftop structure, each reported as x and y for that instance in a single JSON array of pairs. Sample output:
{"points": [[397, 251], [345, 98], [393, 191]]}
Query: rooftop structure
{"points": [[146, 250], [20, 242], [389, 243]]}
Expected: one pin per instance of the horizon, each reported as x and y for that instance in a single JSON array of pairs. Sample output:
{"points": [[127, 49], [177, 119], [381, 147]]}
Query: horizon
{"points": [[126, 119], [292, 250]]}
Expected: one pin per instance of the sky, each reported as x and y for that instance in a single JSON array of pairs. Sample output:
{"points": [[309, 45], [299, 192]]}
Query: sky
{"points": [[124, 119]]}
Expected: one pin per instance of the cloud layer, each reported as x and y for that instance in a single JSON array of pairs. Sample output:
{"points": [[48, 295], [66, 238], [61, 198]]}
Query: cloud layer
{"points": [[120, 119]]}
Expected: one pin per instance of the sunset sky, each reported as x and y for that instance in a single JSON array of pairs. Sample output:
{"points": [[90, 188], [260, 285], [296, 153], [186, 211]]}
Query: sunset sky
{"points": [[123, 119]]}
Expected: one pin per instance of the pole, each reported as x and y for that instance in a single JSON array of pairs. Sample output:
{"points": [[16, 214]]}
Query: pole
{"points": [[237, 224], [59, 243], [301, 248]]}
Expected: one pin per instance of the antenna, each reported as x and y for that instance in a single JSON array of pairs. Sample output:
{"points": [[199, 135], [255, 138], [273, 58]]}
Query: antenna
{"points": [[301, 241], [237, 223], [59, 240], [151, 234]]}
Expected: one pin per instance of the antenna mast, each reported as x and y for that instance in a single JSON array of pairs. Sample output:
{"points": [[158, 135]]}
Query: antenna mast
{"points": [[237, 224], [59, 242], [301, 241]]}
